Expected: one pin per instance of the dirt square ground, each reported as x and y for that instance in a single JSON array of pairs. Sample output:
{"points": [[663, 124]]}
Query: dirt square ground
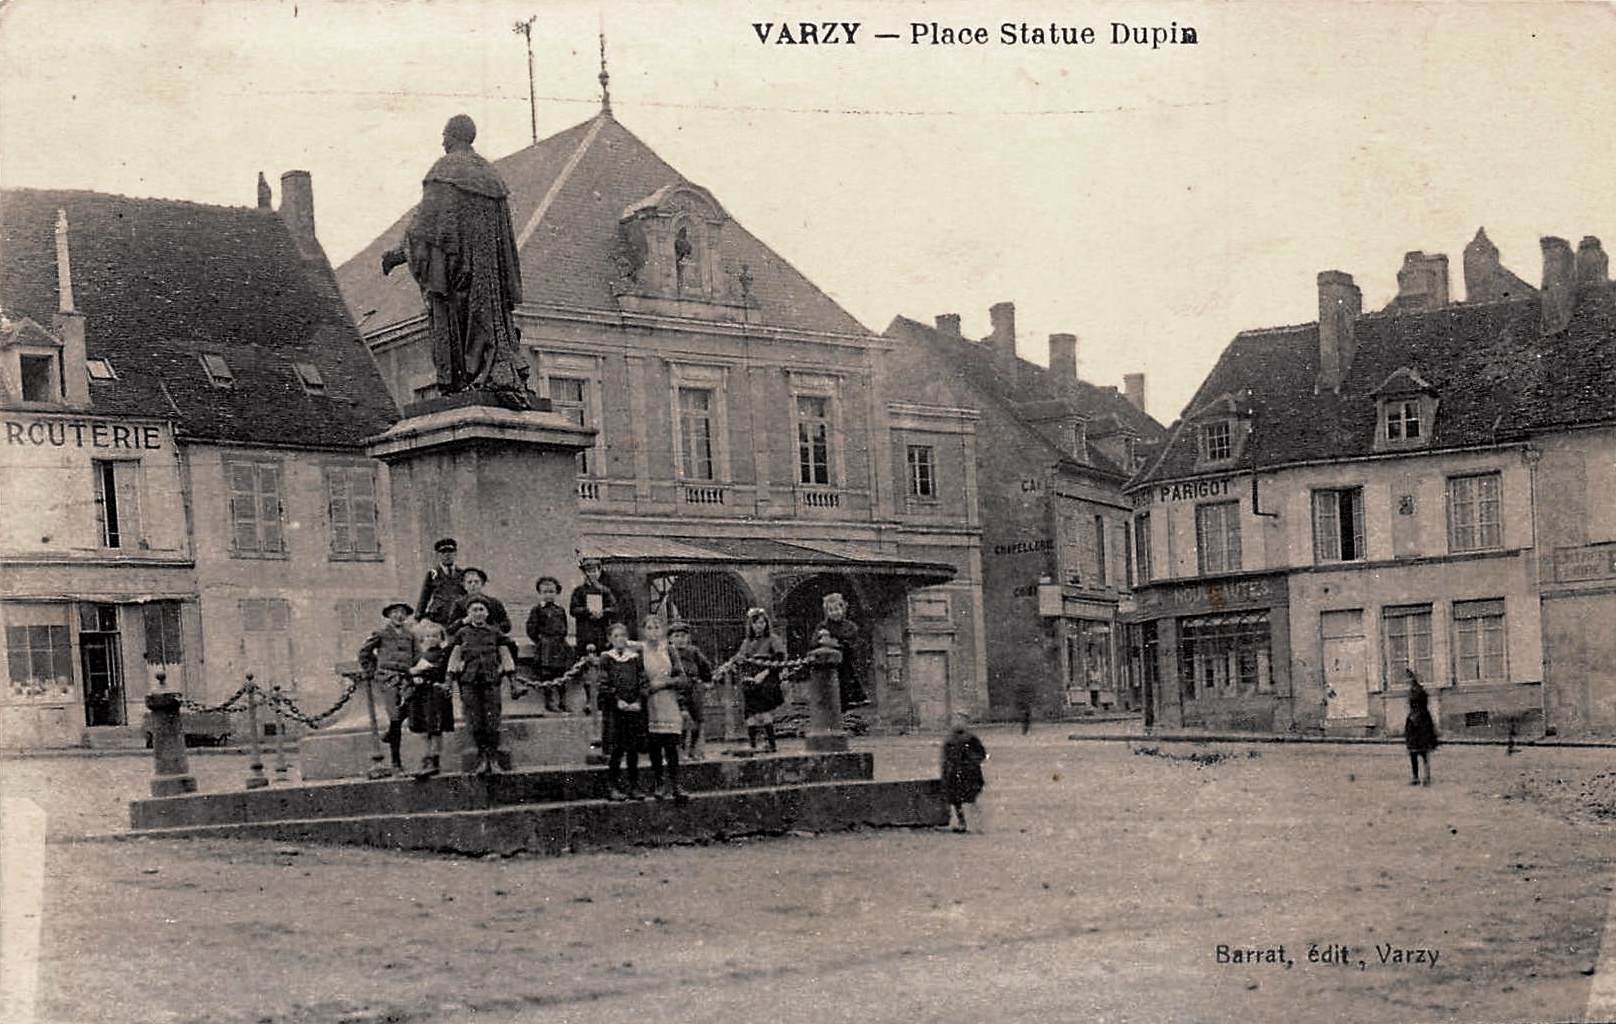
{"points": [[1101, 888]]}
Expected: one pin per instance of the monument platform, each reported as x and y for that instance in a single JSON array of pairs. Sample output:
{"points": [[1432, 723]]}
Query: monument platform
{"points": [[344, 753], [556, 810]]}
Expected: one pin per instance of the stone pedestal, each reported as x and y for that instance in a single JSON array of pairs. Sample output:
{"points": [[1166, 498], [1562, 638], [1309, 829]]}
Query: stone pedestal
{"points": [[171, 770], [825, 733]]}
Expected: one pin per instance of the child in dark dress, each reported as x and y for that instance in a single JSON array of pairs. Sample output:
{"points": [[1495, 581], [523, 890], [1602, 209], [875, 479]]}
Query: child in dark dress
{"points": [[623, 692], [430, 705], [547, 628], [963, 755], [1419, 729]]}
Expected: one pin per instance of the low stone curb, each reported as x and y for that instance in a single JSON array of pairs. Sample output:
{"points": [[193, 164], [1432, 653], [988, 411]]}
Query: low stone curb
{"points": [[1391, 741]]}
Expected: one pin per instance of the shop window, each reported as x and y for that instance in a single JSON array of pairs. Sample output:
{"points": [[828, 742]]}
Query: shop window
{"points": [[1338, 527], [1225, 656], [255, 509], [1407, 632], [1217, 537], [1479, 642], [1475, 521], [351, 504], [39, 660], [39, 381]]}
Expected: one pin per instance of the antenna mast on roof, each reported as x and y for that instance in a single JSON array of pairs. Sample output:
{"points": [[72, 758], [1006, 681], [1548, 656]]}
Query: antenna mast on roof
{"points": [[525, 29]]}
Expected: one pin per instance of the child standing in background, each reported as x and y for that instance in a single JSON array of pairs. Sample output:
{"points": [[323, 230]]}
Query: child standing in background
{"points": [[430, 706], [698, 672], [547, 628], [663, 722], [387, 655], [760, 687], [622, 704]]}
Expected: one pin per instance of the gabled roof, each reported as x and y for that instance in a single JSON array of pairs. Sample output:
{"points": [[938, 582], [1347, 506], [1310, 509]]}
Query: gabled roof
{"points": [[1497, 378], [161, 281], [568, 194], [1035, 390]]}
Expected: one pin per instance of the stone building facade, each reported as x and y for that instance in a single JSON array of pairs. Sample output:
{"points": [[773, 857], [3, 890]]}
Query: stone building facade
{"points": [[1052, 455], [184, 413], [1416, 488], [747, 450]]}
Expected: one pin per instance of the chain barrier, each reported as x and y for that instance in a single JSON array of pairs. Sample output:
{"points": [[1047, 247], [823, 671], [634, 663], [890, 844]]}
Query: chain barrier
{"points": [[268, 697], [228, 705]]}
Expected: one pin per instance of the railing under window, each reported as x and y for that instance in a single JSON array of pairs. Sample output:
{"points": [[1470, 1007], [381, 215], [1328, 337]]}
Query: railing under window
{"points": [[819, 498], [703, 494], [589, 490]]}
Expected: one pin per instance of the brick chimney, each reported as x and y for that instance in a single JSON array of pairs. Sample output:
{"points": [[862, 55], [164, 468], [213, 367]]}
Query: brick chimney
{"points": [[264, 197], [1422, 283], [68, 322], [1133, 388], [1559, 284], [1003, 337], [297, 210], [949, 324], [1063, 356], [1593, 266], [1340, 303]]}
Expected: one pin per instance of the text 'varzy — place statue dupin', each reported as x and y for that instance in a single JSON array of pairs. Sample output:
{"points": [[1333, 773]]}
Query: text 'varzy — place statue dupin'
{"points": [[461, 250]]}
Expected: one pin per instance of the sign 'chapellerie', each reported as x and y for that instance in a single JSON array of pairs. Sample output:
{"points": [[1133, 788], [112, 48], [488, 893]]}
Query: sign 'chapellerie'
{"points": [[65, 433]]}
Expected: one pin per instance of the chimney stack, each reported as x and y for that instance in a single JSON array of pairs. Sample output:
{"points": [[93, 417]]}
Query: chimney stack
{"points": [[1133, 388], [1559, 284], [1593, 266], [1063, 356], [297, 210], [68, 322], [1003, 339], [1422, 283], [949, 324], [1340, 303], [264, 196]]}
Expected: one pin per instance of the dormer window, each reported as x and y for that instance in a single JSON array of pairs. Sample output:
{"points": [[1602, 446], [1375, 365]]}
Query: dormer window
{"points": [[1217, 441], [309, 376], [1402, 416], [40, 382], [218, 371], [100, 369]]}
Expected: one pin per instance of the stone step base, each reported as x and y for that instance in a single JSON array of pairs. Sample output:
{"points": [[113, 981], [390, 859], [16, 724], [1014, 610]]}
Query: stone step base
{"points": [[115, 737], [447, 793], [603, 825], [559, 739]]}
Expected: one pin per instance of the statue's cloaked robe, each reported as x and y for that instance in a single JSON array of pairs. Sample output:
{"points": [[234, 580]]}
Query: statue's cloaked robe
{"points": [[462, 252]]}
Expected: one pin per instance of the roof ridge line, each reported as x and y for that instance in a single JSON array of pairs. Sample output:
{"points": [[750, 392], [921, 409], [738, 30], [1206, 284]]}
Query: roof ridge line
{"points": [[554, 190]]}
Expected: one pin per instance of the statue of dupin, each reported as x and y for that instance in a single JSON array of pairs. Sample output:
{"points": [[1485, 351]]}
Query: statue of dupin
{"points": [[461, 250]]}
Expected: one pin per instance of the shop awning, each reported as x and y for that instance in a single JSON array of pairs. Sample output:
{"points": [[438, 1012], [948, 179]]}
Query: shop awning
{"points": [[824, 556]]}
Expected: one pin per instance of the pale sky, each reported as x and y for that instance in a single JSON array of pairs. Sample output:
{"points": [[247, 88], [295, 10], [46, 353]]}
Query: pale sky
{"points": [[1155, 202]]}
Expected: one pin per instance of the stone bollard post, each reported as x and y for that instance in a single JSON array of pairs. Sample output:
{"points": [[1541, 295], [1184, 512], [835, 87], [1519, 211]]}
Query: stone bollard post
{"points": [[282, 767], [255, 769], [171, 771], [825, 733]]}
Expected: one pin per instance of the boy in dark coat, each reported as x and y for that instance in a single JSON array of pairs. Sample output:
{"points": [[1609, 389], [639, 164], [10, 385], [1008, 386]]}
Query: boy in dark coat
{"points": [[623, 694], [593, 607], [443, 585], [963, 755], [547, 628], [1419, 729], [387, 655], [474, 581], [481, 661], [689, 662]]}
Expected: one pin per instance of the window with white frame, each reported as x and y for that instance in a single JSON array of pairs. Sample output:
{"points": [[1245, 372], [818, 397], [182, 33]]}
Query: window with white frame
{"points": [[813, 439], [1402, 419], [922, 460], [1217, 441], [1338, 528], [351, 504], [696, 433], [1407, 633], [1217, 537], [1478, 642], [255, 509], [117, 502], [1475, 519]]}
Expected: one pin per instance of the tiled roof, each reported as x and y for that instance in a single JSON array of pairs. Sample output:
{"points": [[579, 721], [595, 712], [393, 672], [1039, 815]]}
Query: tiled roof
{"points": [[1496, 378], [160, 281], [1036, 387], [568, 193]]}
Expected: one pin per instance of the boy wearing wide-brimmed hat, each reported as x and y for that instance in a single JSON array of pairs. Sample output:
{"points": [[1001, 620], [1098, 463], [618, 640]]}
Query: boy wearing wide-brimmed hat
{"points": [[387, 655]]}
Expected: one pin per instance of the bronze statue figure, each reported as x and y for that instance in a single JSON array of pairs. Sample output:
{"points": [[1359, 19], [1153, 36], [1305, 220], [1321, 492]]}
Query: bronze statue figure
{"points": [[461, 250]]}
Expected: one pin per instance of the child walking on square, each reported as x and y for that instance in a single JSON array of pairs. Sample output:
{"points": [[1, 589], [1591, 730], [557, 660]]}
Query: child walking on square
{"points": [[387, 655], [622, 703], [663, 721], [1419, 729], [430, 706], [963, 755]]}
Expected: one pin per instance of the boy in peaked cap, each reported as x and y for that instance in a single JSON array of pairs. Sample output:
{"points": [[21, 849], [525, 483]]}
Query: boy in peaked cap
{"points": [[443, 586]]}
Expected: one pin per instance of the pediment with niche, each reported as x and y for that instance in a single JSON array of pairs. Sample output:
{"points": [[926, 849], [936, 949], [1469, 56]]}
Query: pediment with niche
{"points": [[669, 254]]}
